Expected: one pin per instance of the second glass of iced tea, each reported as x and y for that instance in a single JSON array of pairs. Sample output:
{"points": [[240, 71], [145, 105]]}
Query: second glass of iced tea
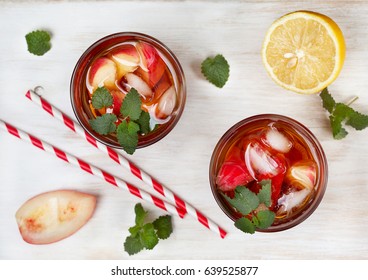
{"points": [[276, 148], [123, 61]]}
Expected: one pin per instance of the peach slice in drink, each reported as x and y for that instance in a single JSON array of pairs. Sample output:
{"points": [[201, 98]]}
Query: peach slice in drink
{"points": [[126, 58], [233, 172], [102, 73], [152, 66], [300, 178]]}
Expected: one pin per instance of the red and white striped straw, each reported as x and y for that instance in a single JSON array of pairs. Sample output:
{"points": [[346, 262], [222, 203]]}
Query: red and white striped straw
{"points": [[117, 182], [125, 163]]}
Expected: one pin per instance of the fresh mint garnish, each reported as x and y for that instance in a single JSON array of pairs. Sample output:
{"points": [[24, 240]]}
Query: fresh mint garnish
{"points": [[127, 134], [246, 202], [104, 124], [101, 98], [134, 119], [131, 106], [144, 122], [38, 42], [341, 113], [146, 235], [216, 70]]}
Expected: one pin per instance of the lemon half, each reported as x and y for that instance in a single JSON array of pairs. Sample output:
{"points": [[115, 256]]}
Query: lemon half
{"points": [[304, 51]]}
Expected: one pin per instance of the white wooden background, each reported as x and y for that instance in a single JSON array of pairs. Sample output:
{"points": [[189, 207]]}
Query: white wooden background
{"points": [[193, 30]]}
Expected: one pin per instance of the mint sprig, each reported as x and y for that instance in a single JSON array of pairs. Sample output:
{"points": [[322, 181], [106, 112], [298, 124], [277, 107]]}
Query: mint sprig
{"points": [[246, 202], [146, 235], [101, 98], [341, 113], [134, 121], [216, 70], [38, 42]]}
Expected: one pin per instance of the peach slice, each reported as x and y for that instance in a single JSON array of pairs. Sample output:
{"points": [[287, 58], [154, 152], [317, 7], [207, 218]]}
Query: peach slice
{"points": [[141, 86], [118, 98], [103, 73], [53, 216], [301, 178], [126, 58], [302, 175], [151, 63], [166, 104]]}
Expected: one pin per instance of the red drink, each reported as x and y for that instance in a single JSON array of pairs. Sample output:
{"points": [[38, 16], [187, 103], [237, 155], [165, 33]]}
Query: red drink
{"points": [[276, 148], [123, 61]]}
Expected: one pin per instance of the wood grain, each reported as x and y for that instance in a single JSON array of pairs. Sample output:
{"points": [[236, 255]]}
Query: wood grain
{"points": [[193, 30]]}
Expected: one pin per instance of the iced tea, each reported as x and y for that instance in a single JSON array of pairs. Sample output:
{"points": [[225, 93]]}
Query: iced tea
{"points": [[276, 148]]}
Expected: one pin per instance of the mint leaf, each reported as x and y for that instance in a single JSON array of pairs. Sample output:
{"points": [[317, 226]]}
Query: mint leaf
{"points": [[338, 131], [140, 214], [133, 245], [38, 42], [264, 194], [265, 219], [163, 226], [131, 106], [357, 120], [216, 70], [245, 225], [144, 122], [148, 236], [104, 124], [127, 134], [244, 200], [327, 100], [101, 98], [134, 230], [342, 111]]}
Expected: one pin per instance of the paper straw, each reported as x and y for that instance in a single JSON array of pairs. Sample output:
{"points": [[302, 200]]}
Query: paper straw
{"points": [[117, 182], [125, 163]]}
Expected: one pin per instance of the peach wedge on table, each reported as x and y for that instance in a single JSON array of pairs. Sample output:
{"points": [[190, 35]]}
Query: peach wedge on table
{"points": [[53, 216], [103, 73], [127, 59]]}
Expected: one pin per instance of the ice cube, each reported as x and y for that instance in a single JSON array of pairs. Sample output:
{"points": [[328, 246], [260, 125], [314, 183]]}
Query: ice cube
{"points": [[277, 140], [141, 86], [292, 200], [167, 103], [259, 161]]}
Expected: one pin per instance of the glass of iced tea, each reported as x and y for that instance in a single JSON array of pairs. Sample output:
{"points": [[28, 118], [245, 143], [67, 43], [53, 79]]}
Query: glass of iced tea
{"points": [[118, 63], [276, 148]]}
